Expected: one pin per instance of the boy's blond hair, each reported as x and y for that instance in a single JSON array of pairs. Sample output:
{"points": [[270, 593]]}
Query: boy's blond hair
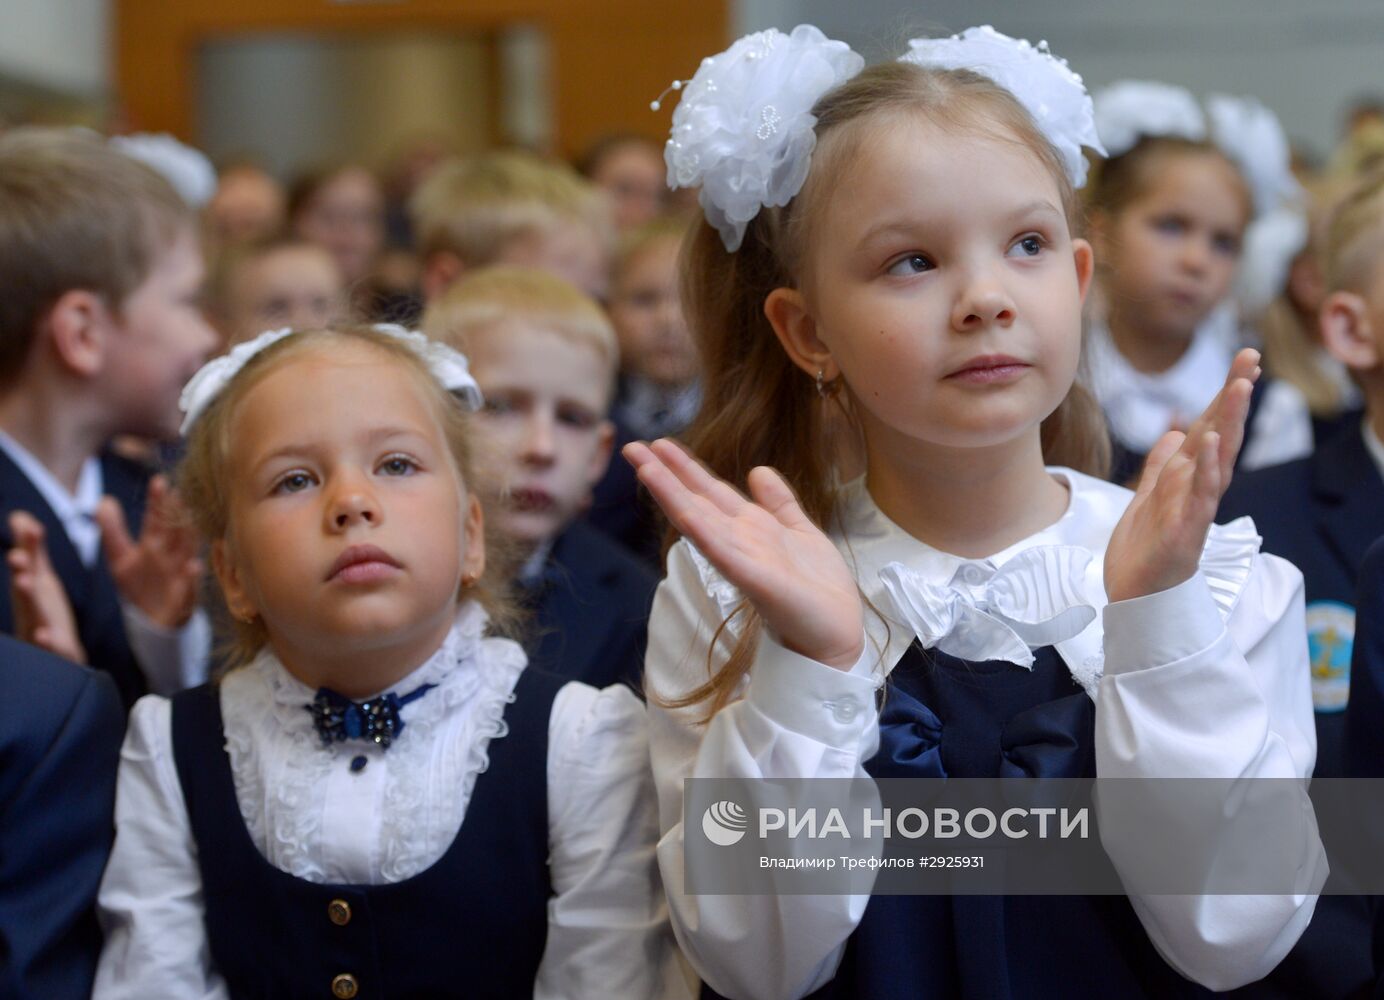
{"points": [[477, 207], [482, 301], [75, 214], [1355, 235]]}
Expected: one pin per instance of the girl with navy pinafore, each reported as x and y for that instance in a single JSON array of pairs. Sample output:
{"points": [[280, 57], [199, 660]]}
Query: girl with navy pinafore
{"points": [[379, 799], [897, 241]]}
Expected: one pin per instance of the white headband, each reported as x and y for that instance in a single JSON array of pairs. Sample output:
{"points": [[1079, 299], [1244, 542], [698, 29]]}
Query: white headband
{"points": [[1052, 94], [448, 366]]}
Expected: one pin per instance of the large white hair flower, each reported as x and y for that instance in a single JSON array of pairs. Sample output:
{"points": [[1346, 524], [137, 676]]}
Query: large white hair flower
{"points": [[186, 168], [1133, 109], [1271, 243], [1045, 85], [1250, 134], [447, 365], [743, 129]]}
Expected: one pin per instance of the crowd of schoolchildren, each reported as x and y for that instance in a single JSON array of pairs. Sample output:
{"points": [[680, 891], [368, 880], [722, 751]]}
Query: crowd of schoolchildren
{"points": [[381, 559]]}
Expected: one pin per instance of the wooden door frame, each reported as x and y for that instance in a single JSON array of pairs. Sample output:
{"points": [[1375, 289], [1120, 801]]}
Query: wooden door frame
{"points": [[609, 58]]}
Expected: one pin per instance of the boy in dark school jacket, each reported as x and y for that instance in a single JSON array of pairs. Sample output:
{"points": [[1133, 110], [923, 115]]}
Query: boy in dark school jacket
{"points": [[60, 732], [99, 328], [544, 354], [1322, 513]]}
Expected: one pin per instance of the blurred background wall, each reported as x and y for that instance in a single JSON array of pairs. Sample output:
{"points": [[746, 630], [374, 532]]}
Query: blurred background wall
{"points": [[300, 81]]}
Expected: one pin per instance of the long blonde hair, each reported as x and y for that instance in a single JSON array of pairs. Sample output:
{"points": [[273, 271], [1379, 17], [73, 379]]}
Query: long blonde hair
{"points": [[758, 408]]}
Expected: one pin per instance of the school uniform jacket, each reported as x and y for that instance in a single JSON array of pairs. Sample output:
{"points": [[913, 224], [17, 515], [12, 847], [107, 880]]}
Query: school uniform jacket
{"points": [[590, 610], [60, 732], [92, 591], [1320, 513]]}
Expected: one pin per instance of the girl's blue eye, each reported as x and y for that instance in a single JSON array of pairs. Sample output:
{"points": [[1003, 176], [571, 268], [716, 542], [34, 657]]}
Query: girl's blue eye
{"points": [[914, 263], [1170, 224], [294, 482], [1030, 246], [398, 465]]}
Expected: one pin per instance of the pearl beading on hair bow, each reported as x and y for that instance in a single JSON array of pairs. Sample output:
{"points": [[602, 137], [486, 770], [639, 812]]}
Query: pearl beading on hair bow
{"points": [[447, 365], [988, 612], [743, 128], [1050, 91]]}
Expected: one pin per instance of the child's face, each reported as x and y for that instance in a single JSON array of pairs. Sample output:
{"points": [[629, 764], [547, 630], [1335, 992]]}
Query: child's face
{"points": [[248, 204], [347, 217], [571, 250], [945, 285], [546, 440], [1171, 253], [633, 176], [350, 526], [159, 339], [655, 342], [294, 286]]}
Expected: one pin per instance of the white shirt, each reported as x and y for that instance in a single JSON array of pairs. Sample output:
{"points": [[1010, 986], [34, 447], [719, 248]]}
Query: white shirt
{"points": [[1224, 652], [171, 659], [76, 512], [1142, 406], [311, 816]]}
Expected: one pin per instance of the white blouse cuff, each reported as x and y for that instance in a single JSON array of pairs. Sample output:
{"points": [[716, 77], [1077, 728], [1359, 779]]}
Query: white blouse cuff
{"points": [[832, 706], [1137, 632]]}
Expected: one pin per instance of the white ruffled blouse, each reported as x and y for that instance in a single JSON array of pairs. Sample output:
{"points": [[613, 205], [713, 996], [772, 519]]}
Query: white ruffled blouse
{"points": [[310, 815], [1223, 653]]}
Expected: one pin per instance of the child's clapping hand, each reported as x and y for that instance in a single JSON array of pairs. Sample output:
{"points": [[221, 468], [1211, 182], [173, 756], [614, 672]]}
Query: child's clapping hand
{"points": [[1159, 541], [42, 611], [766, 546], [159, 573]]}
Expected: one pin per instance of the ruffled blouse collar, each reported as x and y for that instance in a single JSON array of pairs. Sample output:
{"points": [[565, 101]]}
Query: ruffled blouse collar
{"points": [[1040, 589]]}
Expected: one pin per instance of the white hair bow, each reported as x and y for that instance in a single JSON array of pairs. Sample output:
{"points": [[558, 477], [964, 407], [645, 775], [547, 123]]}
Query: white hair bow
{"points": [[743, 129], [1242, 128], [1050, 91], [988, 612], [186, 168], [447, 365]]}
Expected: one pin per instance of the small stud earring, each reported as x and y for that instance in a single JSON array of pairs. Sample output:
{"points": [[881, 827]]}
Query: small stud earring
{"points": [[825, 389]]}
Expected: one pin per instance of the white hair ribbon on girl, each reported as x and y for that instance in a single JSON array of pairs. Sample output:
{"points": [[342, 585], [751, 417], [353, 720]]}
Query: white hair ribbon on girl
{"points": [[1132, 109], [743, 129], [186, 168], [1050, 91], [1242, 128], [1250, 134], [447, 365]]}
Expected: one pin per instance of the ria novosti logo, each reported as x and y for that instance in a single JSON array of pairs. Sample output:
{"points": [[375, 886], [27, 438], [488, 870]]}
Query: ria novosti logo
{"points": [[725, 823]]}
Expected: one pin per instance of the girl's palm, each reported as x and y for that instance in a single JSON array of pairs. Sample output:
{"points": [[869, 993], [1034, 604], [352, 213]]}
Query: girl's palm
{"points": [[1159, 540], [766, 546]]}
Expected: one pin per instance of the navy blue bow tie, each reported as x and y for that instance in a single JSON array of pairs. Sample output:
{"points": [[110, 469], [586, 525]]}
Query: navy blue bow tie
{"points": [[337, 718]]}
